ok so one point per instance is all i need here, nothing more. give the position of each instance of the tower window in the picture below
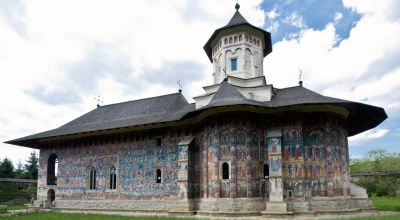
(225, 171)
(234, 64)
(158, 176)
(240, 37)
(113, 177)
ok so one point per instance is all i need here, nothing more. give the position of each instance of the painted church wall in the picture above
(314, 157)
(136, 164)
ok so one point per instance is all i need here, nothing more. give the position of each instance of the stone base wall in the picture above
(238, 205)
(331, 205)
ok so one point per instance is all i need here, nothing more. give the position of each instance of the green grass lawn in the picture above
(388, 217)
(68, 216)
(16, 206)
(386, 203)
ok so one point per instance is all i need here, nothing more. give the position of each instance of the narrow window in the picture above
(266, 171)
(235, 39)
(230, 40)
(233, 64)
(113, 177)
(226, 41)
(246, 38)
(258, 42)
(225, 171)
(158, 176)
(158, 141)
(240, 37)
(52, 166)
(92, 178)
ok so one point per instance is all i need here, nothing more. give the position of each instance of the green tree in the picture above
(31, 166)
(6, 169)
(20, 172)
(378, 160)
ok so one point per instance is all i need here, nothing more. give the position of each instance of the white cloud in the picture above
(368, 135)
(338, 17)
(62, 35)
(295, 20)
(364, 67)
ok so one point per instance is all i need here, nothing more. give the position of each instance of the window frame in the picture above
(92, 178)
(234, 60)
(112, 178)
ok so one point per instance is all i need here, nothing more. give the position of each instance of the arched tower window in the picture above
(225, 171)
(52, 167)
(113, 177)
(235, 39)
(230, 40)
(240, 37)
(226, 41)
(92, 178)
(158, 176)
(266, 171)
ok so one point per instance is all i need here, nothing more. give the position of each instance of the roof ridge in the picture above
(226, 86)
(142, 99)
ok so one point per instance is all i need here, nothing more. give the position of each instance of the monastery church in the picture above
(243, 148)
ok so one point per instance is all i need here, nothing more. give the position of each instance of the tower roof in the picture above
(236, 21)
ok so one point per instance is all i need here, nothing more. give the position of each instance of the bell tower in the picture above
(237, 51)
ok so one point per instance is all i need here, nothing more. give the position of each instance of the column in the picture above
(184, 182)
(275, 204)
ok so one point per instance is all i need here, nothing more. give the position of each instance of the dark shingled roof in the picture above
(174, 107)
(228, 95)
(236, 21)
(361, 118)
(144, 111)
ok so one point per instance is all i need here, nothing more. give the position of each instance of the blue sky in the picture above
(57, 56)
(314, 14)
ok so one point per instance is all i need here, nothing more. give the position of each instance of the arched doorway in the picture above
(51, 196)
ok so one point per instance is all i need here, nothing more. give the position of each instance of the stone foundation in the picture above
(216, 207)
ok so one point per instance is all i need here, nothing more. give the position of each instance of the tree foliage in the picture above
(27, 171)
(31, 167)
(378, 160)
(7, 169)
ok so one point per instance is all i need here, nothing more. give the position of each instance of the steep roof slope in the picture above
(144, 111)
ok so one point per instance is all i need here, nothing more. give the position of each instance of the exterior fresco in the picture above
(135, 162)
(308, 160)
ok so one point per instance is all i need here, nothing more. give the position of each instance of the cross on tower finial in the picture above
(99, 101)
(300, 75)
(237, 6)
(180, 86)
